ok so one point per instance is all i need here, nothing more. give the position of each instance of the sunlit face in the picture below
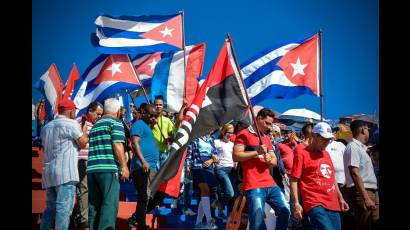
(159, 105)
(264, 123)
(366, 131)
(95, 115)
(228, 133)
(320, 142)
(326, 170)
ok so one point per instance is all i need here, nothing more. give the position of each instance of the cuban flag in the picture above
(105, 77)
(169, 81)
(144, 65)
(286, 71)
(51, 86)
(138, 34)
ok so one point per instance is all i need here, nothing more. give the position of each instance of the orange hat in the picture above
(66, 104)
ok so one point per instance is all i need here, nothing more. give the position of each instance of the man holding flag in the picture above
(220, 99)
(256, 156)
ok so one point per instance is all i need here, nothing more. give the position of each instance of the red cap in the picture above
(66, 104)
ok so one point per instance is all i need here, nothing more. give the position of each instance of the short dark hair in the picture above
(158, 97)
(94, 105)
(263, 113)
(304, 128)
(356, 124)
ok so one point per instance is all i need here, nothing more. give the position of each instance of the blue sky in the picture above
(61, 35)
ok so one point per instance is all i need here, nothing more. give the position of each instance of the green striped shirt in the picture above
(101, 156)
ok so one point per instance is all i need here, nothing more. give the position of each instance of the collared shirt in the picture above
(255, 171)
(101, 157)
(356, 155)
(60, 151)
(200, 150)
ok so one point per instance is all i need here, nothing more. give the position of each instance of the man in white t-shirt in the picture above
(336, 150)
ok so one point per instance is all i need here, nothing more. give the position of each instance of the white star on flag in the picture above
(166, 32)
(298, 68)
(153, 64)
(114, 68)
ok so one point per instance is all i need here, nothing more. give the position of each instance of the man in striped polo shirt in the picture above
(80, 213)
(106, 163)
(61, 139)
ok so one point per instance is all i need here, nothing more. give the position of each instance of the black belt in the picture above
(371, 190)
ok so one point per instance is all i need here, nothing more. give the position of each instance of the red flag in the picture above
(54, 77)
(219, 100)
(194, 68)
(69, 85)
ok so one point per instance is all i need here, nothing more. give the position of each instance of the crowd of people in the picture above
(319, 178)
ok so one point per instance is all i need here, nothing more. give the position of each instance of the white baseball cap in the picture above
(323, 129)
(275, 128)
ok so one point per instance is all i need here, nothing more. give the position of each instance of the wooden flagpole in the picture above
(243, 84)
(183, 45)
(320, 74)
(138, 78)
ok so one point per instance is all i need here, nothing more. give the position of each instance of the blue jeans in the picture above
(225, 179)
(323, 219)
(60, 203)
(256, 199)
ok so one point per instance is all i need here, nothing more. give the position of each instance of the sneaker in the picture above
(211, 225)
(189, 212)
(174, 203)
(132, 221)
(200, 226)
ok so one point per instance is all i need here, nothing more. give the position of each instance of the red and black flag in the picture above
(220, 99)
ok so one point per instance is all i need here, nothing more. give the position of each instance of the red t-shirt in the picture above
(255, 171)
(316, 182)
(287, 156)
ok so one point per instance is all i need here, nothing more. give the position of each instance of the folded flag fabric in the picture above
(170, 81)
(51, 87)
(138, 34)
(144, 65)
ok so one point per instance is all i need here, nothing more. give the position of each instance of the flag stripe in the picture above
(128, 25)
(176, 81)
(140, 23)
(262, 60)
(121, 41)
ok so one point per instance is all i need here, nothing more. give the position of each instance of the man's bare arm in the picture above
(118, 148)
(239, 153)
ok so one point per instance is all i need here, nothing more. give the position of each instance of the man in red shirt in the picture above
(314, 172)
(258, 184)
